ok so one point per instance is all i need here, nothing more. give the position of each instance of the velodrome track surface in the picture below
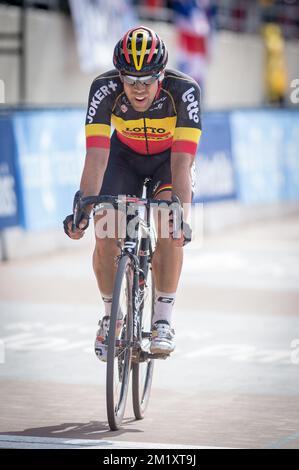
(233, 380)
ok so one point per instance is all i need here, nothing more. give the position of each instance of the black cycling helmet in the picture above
(140, 52)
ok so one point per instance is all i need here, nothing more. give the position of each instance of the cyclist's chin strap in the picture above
(158, 91)
(159, 86)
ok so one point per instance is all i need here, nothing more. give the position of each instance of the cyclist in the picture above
(156, 116)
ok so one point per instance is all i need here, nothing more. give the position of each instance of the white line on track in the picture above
(8, 441)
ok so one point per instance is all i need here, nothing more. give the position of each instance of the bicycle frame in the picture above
(130, 248)
(140, 266)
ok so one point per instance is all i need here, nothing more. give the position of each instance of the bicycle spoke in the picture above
(143, 371)
(119, 356)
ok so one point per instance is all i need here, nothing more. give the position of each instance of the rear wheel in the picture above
(119, 345)
(142, 372)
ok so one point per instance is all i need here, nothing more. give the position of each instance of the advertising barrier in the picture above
(265, 146)
(9, 188)
(248, 155)
(215, 179)
(290, 155)
(50, 148)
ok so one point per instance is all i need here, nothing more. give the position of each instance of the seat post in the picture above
(146, 185)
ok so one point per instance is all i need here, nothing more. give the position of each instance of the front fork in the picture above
(140, 263)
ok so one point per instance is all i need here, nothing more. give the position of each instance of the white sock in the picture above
(164, 302)
(107, 299)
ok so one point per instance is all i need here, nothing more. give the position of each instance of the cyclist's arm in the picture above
(97, 131)
(93, 172)
(181, 176)
(186, 137)
(91, 181)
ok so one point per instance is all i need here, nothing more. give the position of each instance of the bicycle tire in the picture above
(142, 373)
(118, 360)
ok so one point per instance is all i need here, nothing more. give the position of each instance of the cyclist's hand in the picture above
(178, 242)
(68, 225)
(185, 234)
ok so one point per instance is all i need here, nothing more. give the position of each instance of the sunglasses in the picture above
(132, 80)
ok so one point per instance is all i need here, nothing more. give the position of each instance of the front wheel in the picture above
(119, 345)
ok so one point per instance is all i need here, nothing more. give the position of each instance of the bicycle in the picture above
(133, 294)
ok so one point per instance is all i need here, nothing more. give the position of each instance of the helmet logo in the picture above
(141, 53)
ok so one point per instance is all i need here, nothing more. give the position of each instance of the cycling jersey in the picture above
(172, 122)
(127, 171)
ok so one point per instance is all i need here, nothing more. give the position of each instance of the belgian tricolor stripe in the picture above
(184, 146)
(164, 187)
(97, 135)
(144, 148)
(185, 140)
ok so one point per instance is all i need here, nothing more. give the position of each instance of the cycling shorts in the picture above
(127, 171)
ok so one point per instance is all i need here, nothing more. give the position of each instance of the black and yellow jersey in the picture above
(173, 120)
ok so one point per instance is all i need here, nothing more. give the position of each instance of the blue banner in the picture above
(290, 155)
(9, 188)
(265, 150)
(50, 148)
(215, 179)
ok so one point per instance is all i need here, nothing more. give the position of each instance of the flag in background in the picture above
(193, 33)
(98, 26)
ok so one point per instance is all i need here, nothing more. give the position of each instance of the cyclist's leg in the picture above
(167, 260)
(119, 178)
(167, 265)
